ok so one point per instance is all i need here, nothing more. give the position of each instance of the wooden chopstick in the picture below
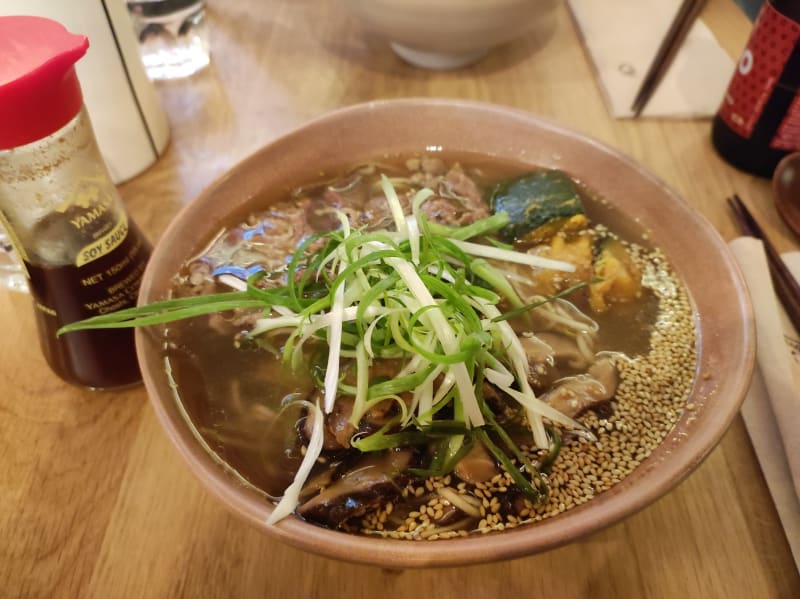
(786, 287)
(681, 24)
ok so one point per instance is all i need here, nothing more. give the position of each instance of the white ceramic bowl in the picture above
(448, 34)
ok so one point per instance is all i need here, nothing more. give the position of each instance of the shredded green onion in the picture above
(425, 294)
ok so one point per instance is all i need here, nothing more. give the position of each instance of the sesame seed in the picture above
(651, 398)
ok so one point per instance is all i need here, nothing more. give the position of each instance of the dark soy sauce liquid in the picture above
(101, 358)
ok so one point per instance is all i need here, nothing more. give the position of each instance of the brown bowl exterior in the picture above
(698, 254)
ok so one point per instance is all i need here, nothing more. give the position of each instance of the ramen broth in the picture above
(236, 390)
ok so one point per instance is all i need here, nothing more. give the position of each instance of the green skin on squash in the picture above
(537, 203)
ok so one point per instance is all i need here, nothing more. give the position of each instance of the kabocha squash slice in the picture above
(539, 205)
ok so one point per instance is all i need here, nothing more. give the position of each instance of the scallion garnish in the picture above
(424, 293)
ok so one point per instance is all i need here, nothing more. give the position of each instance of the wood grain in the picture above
(95, 502)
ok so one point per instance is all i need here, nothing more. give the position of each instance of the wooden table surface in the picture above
(95, 502)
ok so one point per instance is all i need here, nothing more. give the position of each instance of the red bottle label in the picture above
(771, 43)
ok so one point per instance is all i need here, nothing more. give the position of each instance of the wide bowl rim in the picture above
(540, 536)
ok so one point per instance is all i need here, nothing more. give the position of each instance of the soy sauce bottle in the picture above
(81, 252)
(758, 122)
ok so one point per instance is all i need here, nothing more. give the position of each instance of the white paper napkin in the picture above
(771, 410)
(623, 36)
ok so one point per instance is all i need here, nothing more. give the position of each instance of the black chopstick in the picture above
(786, 287)
(678, 30)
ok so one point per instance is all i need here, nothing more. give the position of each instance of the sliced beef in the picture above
(466, 190)
(320, 212)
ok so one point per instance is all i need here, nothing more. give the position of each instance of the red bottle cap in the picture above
(39, 90)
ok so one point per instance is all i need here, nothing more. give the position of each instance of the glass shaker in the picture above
(80, 251)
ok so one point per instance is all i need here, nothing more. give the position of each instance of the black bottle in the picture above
(758, 122)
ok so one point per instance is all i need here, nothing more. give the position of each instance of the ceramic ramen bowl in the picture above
(448, 34)
(724, 341)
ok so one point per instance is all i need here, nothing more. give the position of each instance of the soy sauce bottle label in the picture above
(93, 216)
(759, 71)
(102, 246)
